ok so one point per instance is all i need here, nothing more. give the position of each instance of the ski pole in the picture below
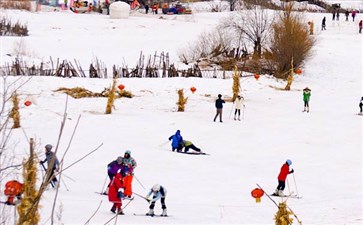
(141, 196)
(139, 182)
(230, 113)
(51, 182)
(297, 192)
(104, 183)
(243, 113)
(161, 145)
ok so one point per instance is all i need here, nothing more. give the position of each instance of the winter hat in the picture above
(48, 147)
(128, 152)
(156, 188)
(288, 162)
(119, 160)
(219, 96)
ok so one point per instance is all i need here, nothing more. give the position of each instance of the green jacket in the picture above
(306, 95)
(187, 143)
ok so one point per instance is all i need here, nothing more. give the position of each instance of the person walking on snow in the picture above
(188, 145)
(129, 164)
(219, 106)
(346, 15)
(115, 194)
(353, 14)
(53, 163)
(360, 26)
(112, 169)
(323, 24)
(158, 192)
(239, 103)
(360, 106)
(306, 98)
(285, 170)
(176, 141)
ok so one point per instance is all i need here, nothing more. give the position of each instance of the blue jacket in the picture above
(157, 195)
(219, 103)
(176, 139)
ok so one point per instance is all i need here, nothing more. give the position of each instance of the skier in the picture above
(360, 26)
(323, 24)
(129, 165)
(239, 103)
(306, 98)
(176, 141)
(219, 106)
(13, 189)
(112, 169)
(188, 145)
(285, 170)
(53, 162)
(159, 192)
(353, 14)
(346, 15)
(360, 106)
(115, 194)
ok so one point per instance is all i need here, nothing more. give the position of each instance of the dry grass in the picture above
(181, 101)
(19, 4)
(79, 92)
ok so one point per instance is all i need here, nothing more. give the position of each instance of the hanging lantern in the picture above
(193, 89)
(257, 193)
(298, 71)
(121, 87)
(27, 103)
(257, 76)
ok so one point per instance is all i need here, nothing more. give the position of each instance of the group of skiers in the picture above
(178, 143)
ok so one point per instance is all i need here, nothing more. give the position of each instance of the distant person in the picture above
(158, 192)
(306, 98)
(347, 15)
(360, 106)
(176, 141)
(238, 104)
(323, 24)
(334, 12)
(52, 162)
(219, 106)
(147, 9)
(360, 26)
(338, 14)
(354, 14)
(284, 171)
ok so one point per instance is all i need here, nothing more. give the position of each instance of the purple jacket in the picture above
(113, 167)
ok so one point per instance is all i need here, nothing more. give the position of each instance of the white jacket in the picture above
(238, 103)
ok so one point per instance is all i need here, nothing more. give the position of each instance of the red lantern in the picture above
(121, 87)
(257, 193)
(257, 76)
(27, 103)
(193, 89)
(298, 71)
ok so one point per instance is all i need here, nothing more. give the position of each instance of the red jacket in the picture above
(116, 183)
(285, 170)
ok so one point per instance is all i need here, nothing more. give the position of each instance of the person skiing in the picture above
(129, 164)
(360, 106)
(13, 189)
(188, 145)
(176, 141)
(53, 163)
(346, 15)
(323, 24)
(115, 194)
(285, 170)
(219, 106)
(306, 98)
(159, 192)
(353, 14)
(239, 103)
(112, 169)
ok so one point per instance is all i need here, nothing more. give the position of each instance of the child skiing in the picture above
(159, 192)
(306, 98)
(239, 103)
(13, 189)
(285, 170)
(129, 164)
(115, 195)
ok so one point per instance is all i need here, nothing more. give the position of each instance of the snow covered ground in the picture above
(325, 145)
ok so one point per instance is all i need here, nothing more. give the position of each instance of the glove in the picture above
(120, 194)
(292, 171)
(7, 203)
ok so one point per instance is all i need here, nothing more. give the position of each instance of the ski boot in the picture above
(120, 212)
(164, 213)
(113, 209)
(150, 213)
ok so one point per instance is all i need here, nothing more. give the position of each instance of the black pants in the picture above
(237, 111)
(162, 200)
(360, 107)
(281, 185)
(192, 147)
(179, 148)
(306, 103)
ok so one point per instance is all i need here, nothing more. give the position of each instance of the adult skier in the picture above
(285, 170)
(176, 141)
(306, 98)
(112, 169)
(53, 163)
(158, 192)
(129, 164)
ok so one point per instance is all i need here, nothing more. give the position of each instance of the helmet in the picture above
(156, 188)
(128, 152)
(48, 147)
(119, 160)
(288, 162)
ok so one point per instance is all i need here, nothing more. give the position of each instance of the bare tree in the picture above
(253, 25)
